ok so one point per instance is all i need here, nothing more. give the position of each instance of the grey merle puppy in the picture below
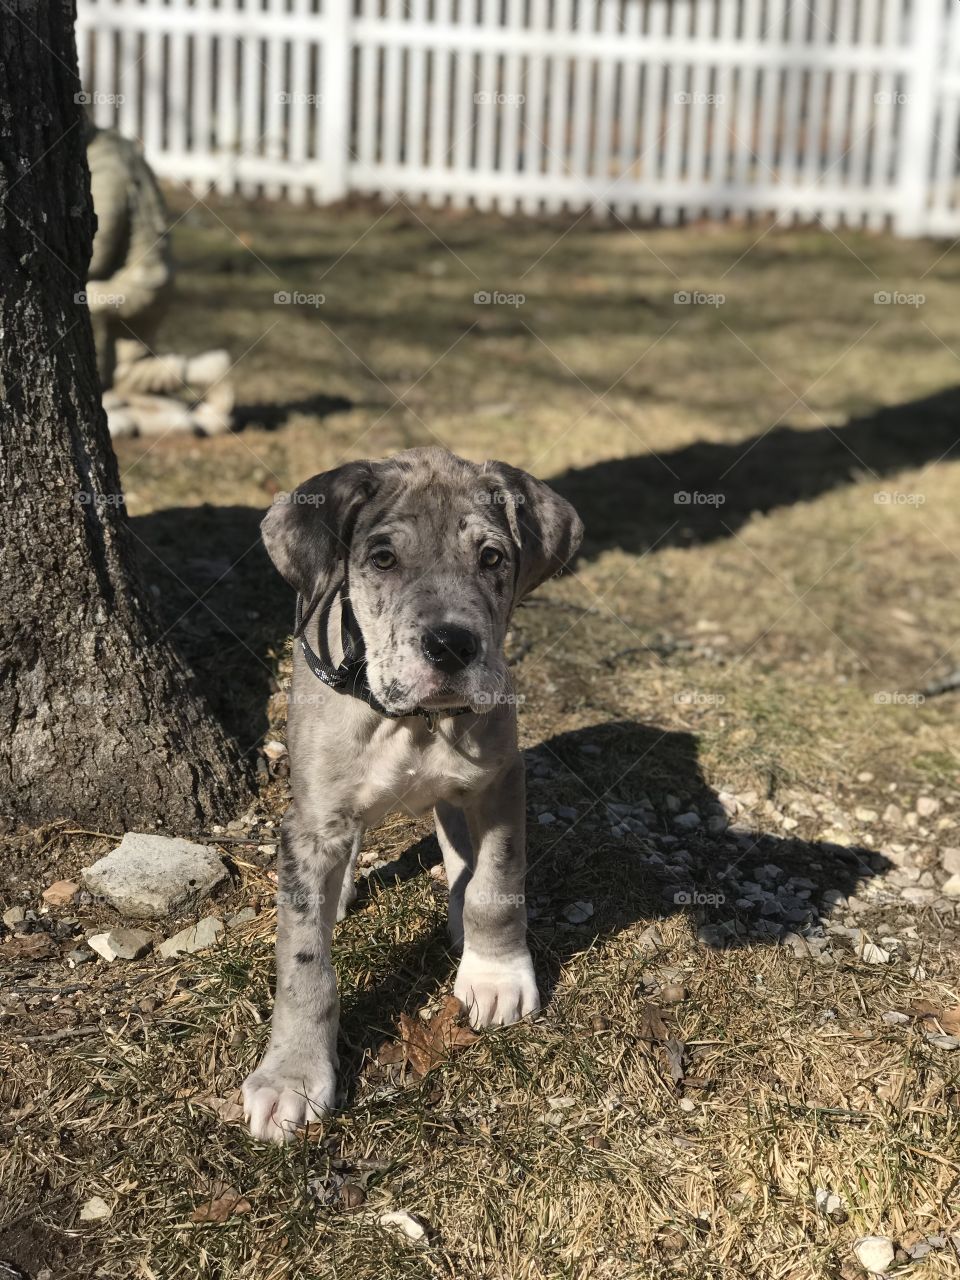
(407, 573)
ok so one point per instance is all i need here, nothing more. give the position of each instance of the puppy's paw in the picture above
(348, 895)
(280, 1097)
(496, 990)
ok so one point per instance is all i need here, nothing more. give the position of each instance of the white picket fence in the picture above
(842, 110)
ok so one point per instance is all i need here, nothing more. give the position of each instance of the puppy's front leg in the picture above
(296, 1081)
(495, 979)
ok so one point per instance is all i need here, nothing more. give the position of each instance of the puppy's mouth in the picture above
(404, 700)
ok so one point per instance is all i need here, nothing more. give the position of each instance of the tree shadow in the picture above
(270, 416)
(742, 886)
(224, 606)
(707, 490)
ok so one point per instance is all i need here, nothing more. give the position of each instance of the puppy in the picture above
(407, 573)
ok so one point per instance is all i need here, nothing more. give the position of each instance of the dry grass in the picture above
(702, 650)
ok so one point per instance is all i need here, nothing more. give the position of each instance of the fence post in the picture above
(919, 116)
(336, 70)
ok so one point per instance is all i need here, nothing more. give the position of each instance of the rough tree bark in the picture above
(99, 720)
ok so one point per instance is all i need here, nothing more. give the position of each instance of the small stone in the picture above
(874, 1253)
(130, 944)
(717, 824)
(949, 860)
(865, 776)
(651, 937)
(246, 914)
(894, 1018)
(60, 893)
(927, 806)
(80, 955)
(673, 993)
(352, 1196)
(873, 954)
(951, 887)
(828, 1202)
(14, 916)
(567, 812)
(788, 823)
(412, 1227)
(274, 750)
(687, 1104)
(545, 819)
(865, 815)
(578, 912)
(917, 896)
(892, 815)
(197, 937)
(155, 877)
(149, 1004)
(96, 1209)
(687, 821)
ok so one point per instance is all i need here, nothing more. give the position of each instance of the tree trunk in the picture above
(100, 720)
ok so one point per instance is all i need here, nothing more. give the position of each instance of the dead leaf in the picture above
(228, 1109)
(31, 946)
(652, 1025)
(60, 893)
(223, 1203)
(655, 1030)
(422, 1045)
(925, 1010)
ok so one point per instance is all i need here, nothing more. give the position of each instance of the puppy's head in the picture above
(437, 552)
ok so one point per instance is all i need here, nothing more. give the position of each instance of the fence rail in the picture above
(847, 111)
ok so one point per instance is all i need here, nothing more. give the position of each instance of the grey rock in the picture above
(687, 821)
(950, 861)
(80, 955)
(195, 938)
(14, 916)
(545, 819)
(121, 944)
(578, 912)
(951, 887)
(919, 897)
(154, 877)
(243, 916)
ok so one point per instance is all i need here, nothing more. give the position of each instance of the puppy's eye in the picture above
(490, 557)
(383, 559)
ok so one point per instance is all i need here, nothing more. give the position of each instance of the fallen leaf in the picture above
(224, 1201)
(31, 946)
(228, 1109)
(422, 1045)
(652, 1025)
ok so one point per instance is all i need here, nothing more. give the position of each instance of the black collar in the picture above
(350, 677)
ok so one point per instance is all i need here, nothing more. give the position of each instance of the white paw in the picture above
(348, 895)
(280, 1099)
(496, 991)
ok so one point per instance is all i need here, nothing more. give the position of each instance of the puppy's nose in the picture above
(449, 648)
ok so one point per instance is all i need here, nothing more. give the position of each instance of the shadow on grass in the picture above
(625, 877)
(708, 490)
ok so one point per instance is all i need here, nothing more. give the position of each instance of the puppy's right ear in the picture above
(307, 532)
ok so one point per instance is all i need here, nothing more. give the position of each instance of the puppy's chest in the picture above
(407, 776)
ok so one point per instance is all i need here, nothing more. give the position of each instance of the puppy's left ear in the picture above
(544, 527)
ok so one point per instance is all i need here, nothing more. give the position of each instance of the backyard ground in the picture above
(743, 808)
